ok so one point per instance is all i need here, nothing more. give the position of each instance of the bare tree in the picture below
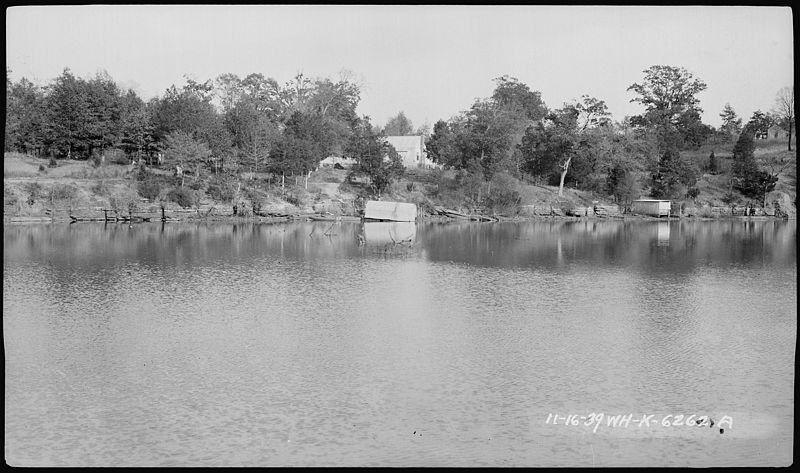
(784, 110)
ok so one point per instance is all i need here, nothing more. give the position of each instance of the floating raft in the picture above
(391, 211)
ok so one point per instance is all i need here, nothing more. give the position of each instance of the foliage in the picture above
(183, 196)
(672, 110)
(149, 188)
(759, 123)
(504, 197)
(221, 190)
(62, 192)
(621, 183)
(713, 166)
(124, 199)
(565, 139)
(731, 123)
(184, 151)
(673, 176)
(374, 157)
(398, 125)
(35, 192)
(783, 111)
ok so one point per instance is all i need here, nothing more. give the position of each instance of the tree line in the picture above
(578, 144)
(251, 123)
(254, 123)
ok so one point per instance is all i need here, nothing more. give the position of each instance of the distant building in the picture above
(411, 149)
(776, 132)
(652, 207)
(331, 161)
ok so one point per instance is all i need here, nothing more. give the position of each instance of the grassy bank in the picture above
(33, 189)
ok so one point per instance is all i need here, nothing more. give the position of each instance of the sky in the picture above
(429, 61)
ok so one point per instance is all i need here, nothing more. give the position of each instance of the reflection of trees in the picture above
(638, 245)
(548, 244)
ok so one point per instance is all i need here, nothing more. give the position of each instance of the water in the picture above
(295, 345)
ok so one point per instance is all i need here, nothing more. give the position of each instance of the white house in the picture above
(411, 149)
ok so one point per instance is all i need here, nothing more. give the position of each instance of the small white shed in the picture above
(652, 207)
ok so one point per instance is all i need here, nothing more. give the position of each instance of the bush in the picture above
(256, 197)
(35, 192)
(149, 188)
(221, 190)
(124, 200)
(117, 156)
(504, 195)
(297, 196)
(183, 196)
(62, 192)
(9, 198)
(730, 198)
(41, 168)
(52, 163)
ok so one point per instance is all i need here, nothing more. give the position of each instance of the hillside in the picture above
(32, 189)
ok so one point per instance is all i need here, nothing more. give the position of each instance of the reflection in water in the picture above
(663, 233)
(297, 344)
(389, 232)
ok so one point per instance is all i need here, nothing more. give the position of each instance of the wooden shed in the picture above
(652, 207)
(392, 211)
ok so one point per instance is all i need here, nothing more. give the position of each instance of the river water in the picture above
(320, 344)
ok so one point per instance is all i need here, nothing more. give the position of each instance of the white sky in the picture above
(429, 61)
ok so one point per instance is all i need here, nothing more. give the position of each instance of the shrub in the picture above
(41, 168)
(35, 192)
(256, 197)
(296, 196)
(52, 163)
(9, 198)
(221, 190)
(149, 188)
(183, 196)
(504, 195)
(124, 199)
(730, 198)
(62, 192)
(117, 156)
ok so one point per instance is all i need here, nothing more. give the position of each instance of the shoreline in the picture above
(229, 219)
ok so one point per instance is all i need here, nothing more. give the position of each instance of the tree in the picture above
(68, 116)
(398, 125)
(189, 110)
(731, 123)
(25, 116)
(443, 146)
(621, 183)
(301, 147)
(673, 176)
(184, 151)
(136, 129)
(667, 93)
(713, 166)
(759, 123)
(374, 157)
(563, 136)
(784, 111)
